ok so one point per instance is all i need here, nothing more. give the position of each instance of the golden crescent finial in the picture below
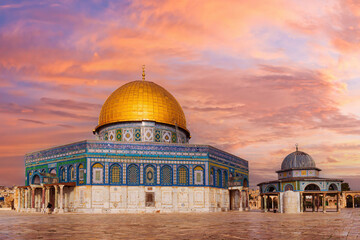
(297, 146)
(143, 73)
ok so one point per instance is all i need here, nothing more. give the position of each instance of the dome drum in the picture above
(144, 131)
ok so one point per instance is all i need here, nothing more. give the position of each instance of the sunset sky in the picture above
(253, 77)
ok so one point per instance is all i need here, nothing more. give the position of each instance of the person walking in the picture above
(49, 207)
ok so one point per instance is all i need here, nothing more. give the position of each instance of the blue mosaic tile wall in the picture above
(158, 155)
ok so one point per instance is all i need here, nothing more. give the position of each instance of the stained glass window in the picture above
(182, 176)
(212, 177)
(166, 175)
(81, 173)
(62, 174)
(225, 179)
(218, 178)
(115, 174)
(199, 173)
(72, 173)
(150, 177)
(133, 175)
(98, 173)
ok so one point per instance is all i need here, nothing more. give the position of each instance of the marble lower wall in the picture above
(140, 199)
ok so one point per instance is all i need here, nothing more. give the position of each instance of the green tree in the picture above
(345, 187)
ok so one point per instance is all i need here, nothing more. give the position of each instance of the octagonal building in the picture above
(139, 161)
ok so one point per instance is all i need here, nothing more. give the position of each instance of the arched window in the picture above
(98, 173)
(53, 171)
(36, 179)
(166, 175)
(312, 187)
(81, 173)
(198, 175)
(225, 179)
(133, 175)
(71, 173)
(245, 183)
(218, 178)
(212, 171)
(115, 174)
(62, 174)
(183, 176)
(150, 175)
(333, 187)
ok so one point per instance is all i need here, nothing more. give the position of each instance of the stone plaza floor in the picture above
(222, 225)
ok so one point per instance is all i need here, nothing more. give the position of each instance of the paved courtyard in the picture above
(222, 225)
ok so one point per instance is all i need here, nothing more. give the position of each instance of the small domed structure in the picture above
(298, 181)
(298, 160)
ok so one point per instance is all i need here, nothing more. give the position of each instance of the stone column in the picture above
(247, 199)
(27, 198)
(338, 202)
(26, 201)
(241, 199)
(353, 198)
(265, 203)
(61, 209)
(33, 198)
(19, 199)
(56, 203)
(313, 202)
(301, 202)
(324, 203)
(43, 198)
(47, 195)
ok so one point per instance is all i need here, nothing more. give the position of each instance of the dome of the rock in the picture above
(142, 101)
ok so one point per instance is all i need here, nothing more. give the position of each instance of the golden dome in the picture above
(142, 100)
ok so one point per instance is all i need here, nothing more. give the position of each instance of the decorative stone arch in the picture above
(333, 187)
(356, 202)
(150, 175)
(133, 175)
(166, 175)
(312, 187)
(52, 170)
(349, 200)
(115, 174)
(271, 188)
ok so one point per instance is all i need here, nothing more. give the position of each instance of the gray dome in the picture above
(298, 160)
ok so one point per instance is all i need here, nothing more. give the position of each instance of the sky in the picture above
(253, 77)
